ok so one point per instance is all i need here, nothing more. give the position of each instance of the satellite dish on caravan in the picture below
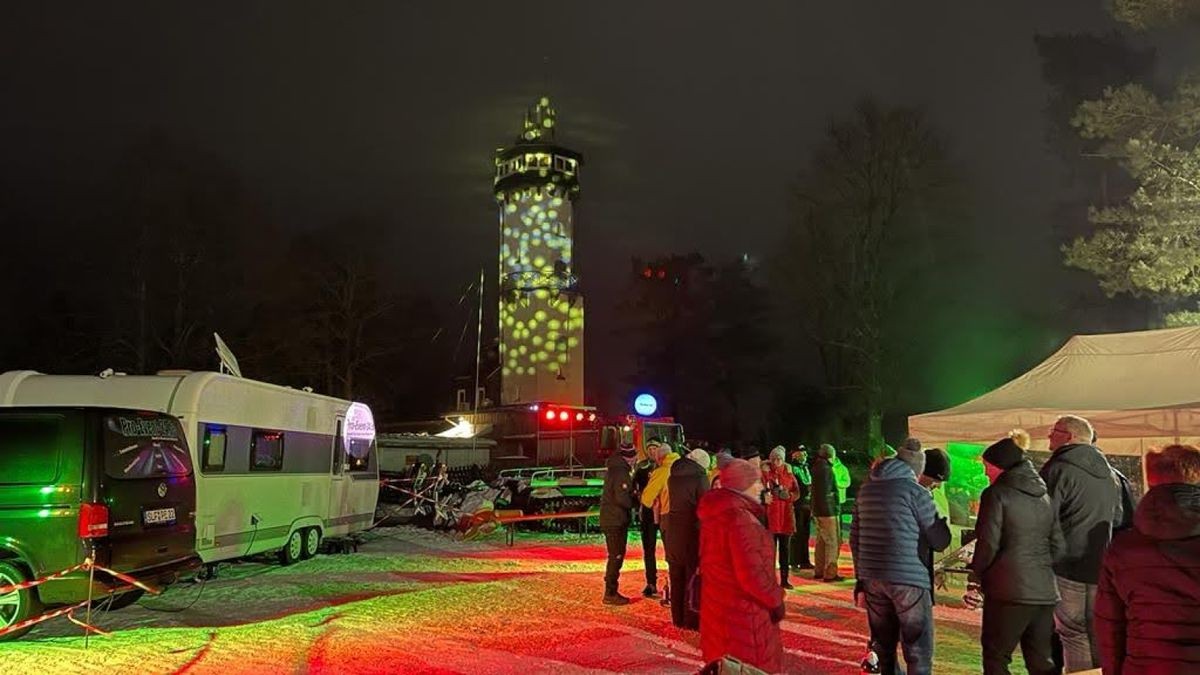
(229, 362)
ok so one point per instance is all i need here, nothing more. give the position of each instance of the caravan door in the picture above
(336, 523)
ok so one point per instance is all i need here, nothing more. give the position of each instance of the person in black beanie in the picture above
(935, 472)
(1017, 540)
(616, 506)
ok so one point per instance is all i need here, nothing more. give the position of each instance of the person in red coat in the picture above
(781, 492)
(741, 604)
(1147, 615)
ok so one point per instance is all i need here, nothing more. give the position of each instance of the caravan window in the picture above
(29, 448)
(214, 448)
(144, 445)
(359, 453)
(266, 451)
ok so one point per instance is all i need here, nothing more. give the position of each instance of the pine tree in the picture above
(1148, 245)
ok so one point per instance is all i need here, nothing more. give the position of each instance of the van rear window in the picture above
(29, 448)
(144, 446)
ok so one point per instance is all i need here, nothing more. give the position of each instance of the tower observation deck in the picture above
(541, 310)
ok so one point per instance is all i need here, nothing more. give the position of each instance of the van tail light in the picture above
(93, 521)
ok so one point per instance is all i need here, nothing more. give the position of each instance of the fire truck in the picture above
(577, 489)
(638, 431)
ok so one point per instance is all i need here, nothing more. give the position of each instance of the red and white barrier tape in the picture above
(127, 579)
(33, 621)
(87, 564)
(5, 590)
(86, 626)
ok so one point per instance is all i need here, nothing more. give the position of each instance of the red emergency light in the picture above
(567, 416)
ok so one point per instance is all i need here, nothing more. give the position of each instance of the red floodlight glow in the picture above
(550, 414)
(591, 417)
(578, 417)
(564, 415)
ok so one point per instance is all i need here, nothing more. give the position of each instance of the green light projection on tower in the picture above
(541, 310)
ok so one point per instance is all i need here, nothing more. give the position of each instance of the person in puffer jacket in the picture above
(741, 602)
(893, 514)
(1147, 616)
(1017, 540)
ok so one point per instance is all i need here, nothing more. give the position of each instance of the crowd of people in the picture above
(1066, 565)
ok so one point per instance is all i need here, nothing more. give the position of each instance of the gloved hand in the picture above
(860, 595)
(778, 613)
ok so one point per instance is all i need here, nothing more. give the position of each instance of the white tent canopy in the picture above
(1138, 389)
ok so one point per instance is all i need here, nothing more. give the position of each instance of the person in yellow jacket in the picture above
(655, 501)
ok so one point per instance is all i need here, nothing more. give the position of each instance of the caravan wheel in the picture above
(17, 605)
(312, 542)
(293, 550)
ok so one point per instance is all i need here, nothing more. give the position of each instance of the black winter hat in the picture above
(1004, 454)
(937, 464)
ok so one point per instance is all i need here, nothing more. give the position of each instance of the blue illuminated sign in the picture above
(645, 404)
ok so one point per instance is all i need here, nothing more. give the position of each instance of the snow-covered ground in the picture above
(415, 601)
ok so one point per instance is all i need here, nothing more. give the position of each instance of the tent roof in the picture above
(1094, 375)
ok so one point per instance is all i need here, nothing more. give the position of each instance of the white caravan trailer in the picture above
(277, 469)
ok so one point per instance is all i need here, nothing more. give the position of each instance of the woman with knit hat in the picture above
(1017, 539)
(741, 603)
(781, 491)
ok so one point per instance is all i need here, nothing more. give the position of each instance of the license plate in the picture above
(159, 516)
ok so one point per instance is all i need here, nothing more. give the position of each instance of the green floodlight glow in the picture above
(44, 513)
(967, 480)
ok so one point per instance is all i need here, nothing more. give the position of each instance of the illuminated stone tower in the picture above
(541, 309)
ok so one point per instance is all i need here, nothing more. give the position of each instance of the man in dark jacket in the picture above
(892, 516)
(803, 510)
(825, 508)
(687, 483)
(616, 503)
(1148, 602)
(1017, 538)
(1086, 495)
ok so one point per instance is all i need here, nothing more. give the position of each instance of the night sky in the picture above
(693, 117)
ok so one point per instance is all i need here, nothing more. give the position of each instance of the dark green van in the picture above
(77, 481)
